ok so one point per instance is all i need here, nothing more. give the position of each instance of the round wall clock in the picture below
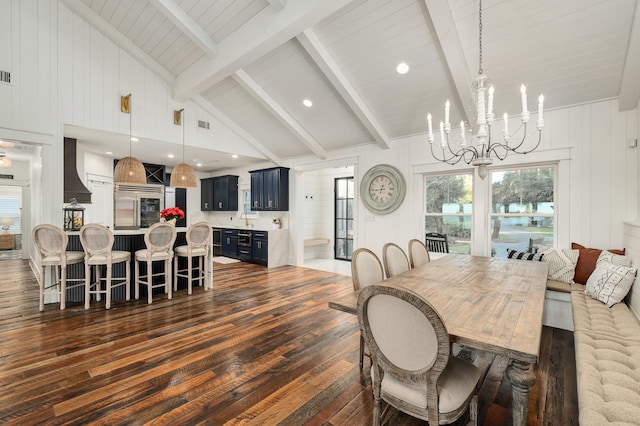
(383, 189)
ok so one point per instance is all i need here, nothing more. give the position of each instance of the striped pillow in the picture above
(562, 263)
(520, 255)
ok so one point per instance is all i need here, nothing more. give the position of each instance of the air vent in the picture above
(5, 76)
(203, 124)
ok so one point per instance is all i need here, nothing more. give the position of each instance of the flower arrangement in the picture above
(172, 213)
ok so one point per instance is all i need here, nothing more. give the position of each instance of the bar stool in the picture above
(159, 241)
(51, 242)
(97, 241)
(198, 242)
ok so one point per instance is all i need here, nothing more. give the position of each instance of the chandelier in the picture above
(480, 148)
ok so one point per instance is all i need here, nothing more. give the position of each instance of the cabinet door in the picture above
(229, 243)
(220, 194)
(271, 190)
(206, 194)
(260, 248)
(257, 190)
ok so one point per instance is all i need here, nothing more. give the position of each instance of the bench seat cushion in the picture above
(591, 315)
(608, 378)
(558, 286)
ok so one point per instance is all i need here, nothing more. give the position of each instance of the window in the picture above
(522, 215)
(449, 208)
(11, 205)
(344, 194)
(246, 203)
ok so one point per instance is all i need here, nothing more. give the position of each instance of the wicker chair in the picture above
(413, 369)
(366, 270)
(437, 243)
(198, 243)
(418, 253)
(395, 260)
(159, 240)
(51, 243)
(97, 241)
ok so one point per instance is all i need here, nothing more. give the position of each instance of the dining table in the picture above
(486, 303)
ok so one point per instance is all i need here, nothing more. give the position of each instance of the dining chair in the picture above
(51, 243)
(97, 241)
(534, 243)
(198, 243)
(437, 243)
(366, 270)
(418, 253)
(413, 369)
(395, 260)
(158, 241)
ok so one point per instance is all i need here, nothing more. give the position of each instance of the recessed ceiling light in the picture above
(109, 153)
(134, 139)
(170, 155)
(234, 156)
(307, 103)
(199, 164)
(402, 68)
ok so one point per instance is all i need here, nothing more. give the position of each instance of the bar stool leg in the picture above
(167, 278)
(189, 275)
(128, 280)
(63, 287)
(149, 282)
(108, 286)
(137, 283)
(87, 285)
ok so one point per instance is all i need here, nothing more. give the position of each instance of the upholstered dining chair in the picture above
(366, 270)
(418, 253)
(413, 369)
(97, 241)
(51, 243)
(395, 260)
(198, 243)
(158, 241)
(437, 243)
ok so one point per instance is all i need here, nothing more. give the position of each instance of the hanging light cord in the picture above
(129, 125)
(480, 39)
(182, 119)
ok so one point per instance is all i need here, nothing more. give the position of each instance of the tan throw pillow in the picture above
(562, 263)
(610, 283)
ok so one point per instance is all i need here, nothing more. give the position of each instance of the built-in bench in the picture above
(310, 242)
(317, 248)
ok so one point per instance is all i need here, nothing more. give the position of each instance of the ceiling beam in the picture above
(442, 21)
(188, 26)
(278, 5)
(261, 34)
(235, 128)
(334, 73)
(119, 39)
(251, 86)
(630, 82)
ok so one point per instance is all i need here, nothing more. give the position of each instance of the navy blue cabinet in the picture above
(260, 246)
(270, 189)
(206, 194)
(225, 193)
(230, 243)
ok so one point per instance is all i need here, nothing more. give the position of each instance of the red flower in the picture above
(172, 213)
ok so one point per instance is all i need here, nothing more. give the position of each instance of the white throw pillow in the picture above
(562, 263)
(616, 259)
(610, 283)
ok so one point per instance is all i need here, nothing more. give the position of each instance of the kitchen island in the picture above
(131, 241)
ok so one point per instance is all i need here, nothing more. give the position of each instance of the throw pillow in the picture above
(515, 254)
(587, 261)
(562, 263)
(610, 283)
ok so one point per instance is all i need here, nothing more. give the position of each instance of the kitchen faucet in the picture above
(246, 219)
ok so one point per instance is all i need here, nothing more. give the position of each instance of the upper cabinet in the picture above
(225, 193)
(219, 193)
(270, 189)
(206, 194)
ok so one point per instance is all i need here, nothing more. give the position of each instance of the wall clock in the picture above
(382, 189)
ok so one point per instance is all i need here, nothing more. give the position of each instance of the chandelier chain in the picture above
(480, 39)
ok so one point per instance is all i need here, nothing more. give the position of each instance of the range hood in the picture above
(73, 186)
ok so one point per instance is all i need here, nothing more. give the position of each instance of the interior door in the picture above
(101, 208)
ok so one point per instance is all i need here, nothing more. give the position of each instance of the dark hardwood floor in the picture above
(261, 348)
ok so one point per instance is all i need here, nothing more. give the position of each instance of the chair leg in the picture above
(98, 282)
(136, 269)
(63, 287)
(149, 282)
(190, 274)
(361, 351)
(87, 285)
(167, 278)
(41, 282)
(127, 275)
(473, 411)
(108, 286)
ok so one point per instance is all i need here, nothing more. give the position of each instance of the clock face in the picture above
(382, 189)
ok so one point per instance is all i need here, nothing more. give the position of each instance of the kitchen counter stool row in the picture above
(98, 255)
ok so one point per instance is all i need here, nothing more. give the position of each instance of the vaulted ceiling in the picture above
(253, 62)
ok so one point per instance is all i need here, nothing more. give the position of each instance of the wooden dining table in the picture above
(489, 304)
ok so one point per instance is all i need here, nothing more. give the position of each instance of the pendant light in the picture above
(129, 169)
(182, 175)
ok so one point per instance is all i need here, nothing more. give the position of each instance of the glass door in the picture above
(344, 195)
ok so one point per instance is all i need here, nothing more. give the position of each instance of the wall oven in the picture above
(137, 206)
(244, 238)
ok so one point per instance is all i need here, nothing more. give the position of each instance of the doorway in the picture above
(343, 217)
(10, 222)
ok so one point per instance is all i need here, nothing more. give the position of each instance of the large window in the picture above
(11, 206)
(522, 213)
(448, 209)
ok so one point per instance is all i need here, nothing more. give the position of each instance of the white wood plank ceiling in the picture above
(254, 61)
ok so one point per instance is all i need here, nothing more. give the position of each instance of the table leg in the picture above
(522, 378)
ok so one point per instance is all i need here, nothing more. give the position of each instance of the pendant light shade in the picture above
(129, 169)
(182, 175)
